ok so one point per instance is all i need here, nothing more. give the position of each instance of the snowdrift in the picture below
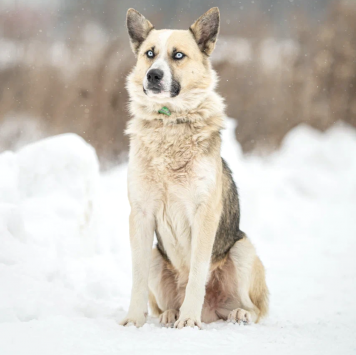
(65, 258)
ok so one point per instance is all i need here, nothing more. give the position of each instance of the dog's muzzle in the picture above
(155, 84)
(154, 78)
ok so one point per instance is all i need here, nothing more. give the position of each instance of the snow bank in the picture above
(65, 257)
(47, 194)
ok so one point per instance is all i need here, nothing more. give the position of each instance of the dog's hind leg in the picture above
(168, 317)
(166, 296)
(252, 292)
(156, 311)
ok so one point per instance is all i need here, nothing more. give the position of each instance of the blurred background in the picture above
(65, 263)
(63, 65)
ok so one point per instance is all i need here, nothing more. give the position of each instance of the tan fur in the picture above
(258, 289)
(199, 30)
(175, 183)
(156, 311)
(252, 291)
(196, 76)
(226, 289)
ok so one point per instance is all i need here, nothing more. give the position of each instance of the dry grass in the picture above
(315, 84)
(314, 81)
(90, 102)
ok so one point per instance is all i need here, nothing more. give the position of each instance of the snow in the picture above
(65, 257)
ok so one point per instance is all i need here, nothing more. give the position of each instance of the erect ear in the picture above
(138, 28)
(206, 29)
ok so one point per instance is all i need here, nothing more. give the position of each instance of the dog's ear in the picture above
(206, 29)
(138, 28)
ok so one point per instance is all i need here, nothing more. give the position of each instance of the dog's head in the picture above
(173, 66)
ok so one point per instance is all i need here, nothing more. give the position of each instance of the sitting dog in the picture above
(203, 268)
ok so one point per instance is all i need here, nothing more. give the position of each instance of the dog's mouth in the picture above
(157, 90)
(154, 89)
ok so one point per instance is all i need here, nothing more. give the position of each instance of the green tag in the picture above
(165, 111)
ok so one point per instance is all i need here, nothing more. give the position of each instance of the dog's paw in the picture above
(169, 317)
(239, 315)
(183, 322)
(136, 320)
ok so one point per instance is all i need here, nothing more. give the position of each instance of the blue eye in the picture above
(150, 54)
(178, 55)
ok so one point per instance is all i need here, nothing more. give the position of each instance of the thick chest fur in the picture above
(173, 170)
(172, 153)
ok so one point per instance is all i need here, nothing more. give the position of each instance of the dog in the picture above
(204, 268)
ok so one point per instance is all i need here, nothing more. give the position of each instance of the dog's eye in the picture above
(178, 55)
(150, 54)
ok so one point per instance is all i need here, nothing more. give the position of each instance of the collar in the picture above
(165, 111)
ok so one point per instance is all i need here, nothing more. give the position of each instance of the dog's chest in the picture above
(173, 228)
(177, 176)
(171, 154)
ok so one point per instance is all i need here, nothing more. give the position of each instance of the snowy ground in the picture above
(65, 258)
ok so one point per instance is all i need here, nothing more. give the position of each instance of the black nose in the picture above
(154, 76)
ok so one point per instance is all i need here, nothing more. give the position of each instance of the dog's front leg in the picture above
(203, 235)
(141, 239)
